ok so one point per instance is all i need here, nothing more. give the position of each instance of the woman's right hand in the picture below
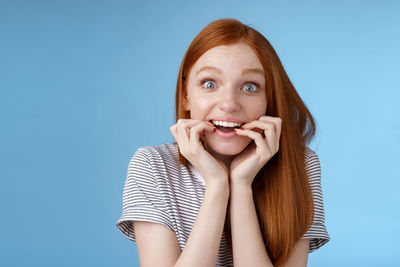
(187, 133)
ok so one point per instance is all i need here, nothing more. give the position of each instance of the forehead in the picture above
(241, 55)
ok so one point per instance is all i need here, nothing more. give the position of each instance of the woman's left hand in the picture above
(248, 163)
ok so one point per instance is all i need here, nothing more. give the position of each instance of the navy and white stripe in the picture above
(317, 233)
(160, 189)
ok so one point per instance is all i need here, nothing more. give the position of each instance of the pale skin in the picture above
(227, 165)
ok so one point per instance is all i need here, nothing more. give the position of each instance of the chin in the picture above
(228, 148)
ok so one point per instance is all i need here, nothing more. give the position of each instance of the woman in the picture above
(239, 185)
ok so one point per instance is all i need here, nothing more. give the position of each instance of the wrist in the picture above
(218, 186)
(240, 186)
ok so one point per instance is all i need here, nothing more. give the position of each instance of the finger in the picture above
(269, 118)
(184, 130)
(173, 130)
(183, 126)
(181, 133)
(258, 139)
(270, 134)
(278, 125)
(260, 124)
(195, 132)
(191, 123)
(264, 127)
(199, 129)
(187, 123)
(276, 120)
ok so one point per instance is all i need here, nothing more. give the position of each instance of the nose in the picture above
(228, 100)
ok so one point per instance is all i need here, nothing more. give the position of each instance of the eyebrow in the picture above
(245, 71)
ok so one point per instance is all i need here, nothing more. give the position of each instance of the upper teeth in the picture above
(226, 124)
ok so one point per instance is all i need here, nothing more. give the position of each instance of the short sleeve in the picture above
(317, 233)
(142, 199)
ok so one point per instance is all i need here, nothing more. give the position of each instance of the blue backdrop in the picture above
(85, 83)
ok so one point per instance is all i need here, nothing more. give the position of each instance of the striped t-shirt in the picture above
(160, 189)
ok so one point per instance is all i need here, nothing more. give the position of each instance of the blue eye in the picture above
(208, 83)
(250, 87)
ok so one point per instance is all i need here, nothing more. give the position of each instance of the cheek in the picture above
(199, 109)
(258, 109)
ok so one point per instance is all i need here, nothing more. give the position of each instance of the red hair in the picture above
(281, 190)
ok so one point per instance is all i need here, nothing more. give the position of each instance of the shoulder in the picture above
(162, 153)
(310, 154)
(161, 161)
(313, 169)
(317, 232)
(152, 165)
(312, 162)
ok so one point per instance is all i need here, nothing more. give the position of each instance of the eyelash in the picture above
(248, 82)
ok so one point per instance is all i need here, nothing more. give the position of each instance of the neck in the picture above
(225, 159)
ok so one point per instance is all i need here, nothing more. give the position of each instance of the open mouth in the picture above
(226, 126)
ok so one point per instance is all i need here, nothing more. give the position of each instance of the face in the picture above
(226, 84)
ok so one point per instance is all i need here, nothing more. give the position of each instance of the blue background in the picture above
(85, 83)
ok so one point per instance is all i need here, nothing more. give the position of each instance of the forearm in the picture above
(247, 243)
(202, 246)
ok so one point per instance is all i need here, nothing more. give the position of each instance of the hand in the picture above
(187, 134)
(248, 163)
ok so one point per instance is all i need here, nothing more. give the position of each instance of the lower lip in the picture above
(225, 134)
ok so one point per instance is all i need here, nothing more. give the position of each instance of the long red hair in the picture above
(281, 190)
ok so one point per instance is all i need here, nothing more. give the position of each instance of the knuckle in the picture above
(181, 122)
(197, 128)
